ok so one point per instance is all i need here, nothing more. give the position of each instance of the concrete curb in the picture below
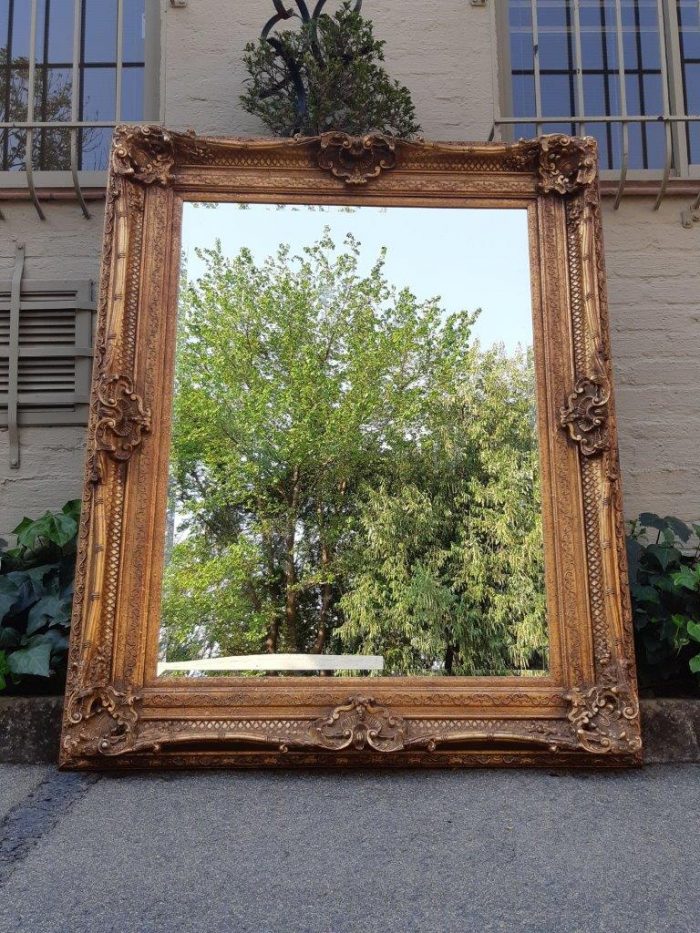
(30, 729)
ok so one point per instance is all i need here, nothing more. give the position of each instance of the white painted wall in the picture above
(446, 54)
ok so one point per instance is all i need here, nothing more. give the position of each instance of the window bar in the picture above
(119, 62)
(29, 138)
(580, 99)
(13, 357)
(623, 103)
(665, 91)
(74, 107)
(536, 65)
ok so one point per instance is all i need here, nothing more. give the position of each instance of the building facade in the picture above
(626, 71)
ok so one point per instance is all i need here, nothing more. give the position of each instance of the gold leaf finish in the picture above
(118, 713)
(356, 159)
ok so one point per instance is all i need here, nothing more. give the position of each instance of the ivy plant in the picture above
(665, 590)
(36, 592)
(325, 75)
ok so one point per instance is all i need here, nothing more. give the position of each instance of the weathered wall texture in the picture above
(446, 53)
(65, 245)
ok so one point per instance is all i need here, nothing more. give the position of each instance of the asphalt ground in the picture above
(228, 852)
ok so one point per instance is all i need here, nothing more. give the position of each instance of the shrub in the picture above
(665, 589)
(327, 75)
(36, 592)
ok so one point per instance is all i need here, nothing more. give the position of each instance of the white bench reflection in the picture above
(279, 662)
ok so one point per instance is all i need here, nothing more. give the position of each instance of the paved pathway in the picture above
(308, 853)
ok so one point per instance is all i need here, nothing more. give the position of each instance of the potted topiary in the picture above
(326, 75)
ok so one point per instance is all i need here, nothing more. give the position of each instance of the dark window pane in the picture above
(519, 13)
(95, 143)
(556, 95)
(551, 13)
(132, 94)
(52, 150)
(521, 51)
(554, 50)
(4, 23)
(99, 93)
(100, 30)
(61, 31)
(656, 145)
(134, 30)
(52, 99)
(523, 96)
(20, 31)
(689, 20)
(653, 97)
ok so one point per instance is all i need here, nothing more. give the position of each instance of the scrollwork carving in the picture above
(122, 418)
(143, 153)
(605, 718)
(566, 164)
(356, 159)
(360, 723)
(585, 416)
(101, 721)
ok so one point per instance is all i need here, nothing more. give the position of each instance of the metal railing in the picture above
(672, 116)
(581, 122)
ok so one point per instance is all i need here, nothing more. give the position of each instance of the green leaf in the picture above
(51, 610)
(9, 637)
(57, 641)
(687, 578)
(679, 528)
(35, 661)
(694, 664)
(694, 630)
(57, 528)
(652, 520)
(9, 592)
(664, 555)
(4, 669)
(73, 508)
(644, 594)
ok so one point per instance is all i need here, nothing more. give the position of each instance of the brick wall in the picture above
(447, 55)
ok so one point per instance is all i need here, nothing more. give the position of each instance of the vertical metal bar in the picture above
(75, 103)
(29, 144)
(120, 63)
(623, 102)
(665, 93)
(580, 98)
(536, 65)
(13, 359)
(673, 45)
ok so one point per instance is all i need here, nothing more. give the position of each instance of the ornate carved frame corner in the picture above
(118, 713)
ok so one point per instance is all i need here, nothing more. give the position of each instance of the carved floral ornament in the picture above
(147, 154)
(566, 164)
(122, 418)
(105, 722)
(585, 416)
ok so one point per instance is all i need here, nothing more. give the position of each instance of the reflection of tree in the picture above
(52, 103)
(351, 472)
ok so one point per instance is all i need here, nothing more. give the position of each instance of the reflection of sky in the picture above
(470, 258)
(99, 53)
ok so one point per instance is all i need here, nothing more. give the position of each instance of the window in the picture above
(89, 69)
(572, 61)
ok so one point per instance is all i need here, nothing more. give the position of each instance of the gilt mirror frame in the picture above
(118, 714)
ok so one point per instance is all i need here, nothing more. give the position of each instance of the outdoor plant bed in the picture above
(30, 728)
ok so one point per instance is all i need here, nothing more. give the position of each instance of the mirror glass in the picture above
(354, 479)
